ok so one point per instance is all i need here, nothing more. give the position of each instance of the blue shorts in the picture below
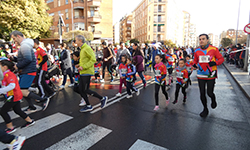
(25, 81)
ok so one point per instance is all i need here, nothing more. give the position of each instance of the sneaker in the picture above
(43, 99)
(30, 109)
(28, 124)
(82, 103)
(17, 143)
(71, 85)
(45, 104)
(104, 101)
(118, 95)
(156, 108)
(52, 95)
(32, 89)
(167, 101)
(144, 86)
(86, 109)
(138, 92)
(61, 87)
(213, 104)
(185, 99)
(96, 80)
(102, 80)
(130, 96)
(175, 101)
(112, 80)
(204, 113)
(9, 131)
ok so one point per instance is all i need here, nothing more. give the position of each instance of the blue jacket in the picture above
(26, 60)
(154, 53)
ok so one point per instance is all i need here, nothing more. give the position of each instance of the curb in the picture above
(242, 89)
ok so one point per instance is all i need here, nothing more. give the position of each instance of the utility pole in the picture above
(157, 21)
(72, 16)
(237, 23)
(246, 63)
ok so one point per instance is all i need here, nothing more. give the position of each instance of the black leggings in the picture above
(177, 89)
(84, 89)
(16, 108)
(157, 89)
(130, 86)
(210, 90)
(106, 65)
(42, 85)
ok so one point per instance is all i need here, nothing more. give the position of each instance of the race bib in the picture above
(204, 59)
(189, 69)
(96, 68)
(124, 71)
(171, 59)
(157, 73)
(179, 75)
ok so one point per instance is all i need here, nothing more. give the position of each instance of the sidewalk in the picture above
(242, 78)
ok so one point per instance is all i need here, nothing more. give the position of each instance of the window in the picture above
(149, 18)
(92, 13)
(149, 8)
(66, 1)
(149, 37)
(159, 8)
(51, 14)
(67, 27)
(148, 28)
(77, 14)
(67, 14)
(59, 12)
(59, 3)
(49, 1)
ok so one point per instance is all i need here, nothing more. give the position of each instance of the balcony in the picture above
(78, 1)
(95, 19)
(94, 3)
(159, 2)
(159, 12)
(78, 4)
(79, 19)
(159, 31)
(97, 34)
(160, 21)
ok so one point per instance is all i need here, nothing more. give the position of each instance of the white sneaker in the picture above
(130, 96)
(118, 95)
(138, 92)
(33, 89)
(156, 108)
(61, 87)
(17, 143)
(82, 103)
(102, 80)
(71, 85)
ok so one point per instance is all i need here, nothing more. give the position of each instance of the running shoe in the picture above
(184, 99)
(82, 103)
(104, 101)
(32, 89)
(45, 104)
(28, 124)
(43, 99)
(118, 95)
(144, 86)
(156, 108)
(129, 96)
(175, 101)
(61, 87)
(167, 101)
(71, 85)
(17, 143)
(102, 81)
(9, 131)
(138, 92)
(52, 95)
(30, 109)
(86, 109)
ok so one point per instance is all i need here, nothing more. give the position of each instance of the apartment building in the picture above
(125, 28)
(186, 28)
(88, 15)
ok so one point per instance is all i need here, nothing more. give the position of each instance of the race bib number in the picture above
(96, 68)
(179, 75)
(189, 69)
(171, 59)
(124, 71)
(157, 73)
(76, 70)
(204, 59)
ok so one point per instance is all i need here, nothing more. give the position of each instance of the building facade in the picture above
(125, 28)
(88, 15)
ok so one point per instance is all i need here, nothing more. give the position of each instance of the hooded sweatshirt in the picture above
(26, 60)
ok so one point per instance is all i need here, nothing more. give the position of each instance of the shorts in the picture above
(25, 81)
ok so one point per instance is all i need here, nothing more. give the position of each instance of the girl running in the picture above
(97, 67)
(122, 71)
(182, 78)
(130, 78)
(171, 60)
(189, 64)
(13, 94)
(160, 79)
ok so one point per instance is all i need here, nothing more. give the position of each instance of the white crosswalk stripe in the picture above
(140, 144)
(82, 139)
(41, 126)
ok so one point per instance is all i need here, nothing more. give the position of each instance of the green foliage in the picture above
(226, 42)
(134, 41)
(88, 35)
(169, 43)
(27, 16)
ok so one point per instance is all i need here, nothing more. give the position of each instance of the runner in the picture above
(122, 71)
(189, 64)
(206, 60)
(171, 60)
(107, 61)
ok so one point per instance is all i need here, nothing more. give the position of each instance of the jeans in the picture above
(142, 77)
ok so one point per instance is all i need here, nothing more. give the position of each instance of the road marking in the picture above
(41, 126)
(82, 139)
(140, 144)
(13, 115)
(118, 99)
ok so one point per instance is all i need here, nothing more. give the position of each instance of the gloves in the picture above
(212, 63)
(195, 66)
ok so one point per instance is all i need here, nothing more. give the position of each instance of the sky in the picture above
(210, 16)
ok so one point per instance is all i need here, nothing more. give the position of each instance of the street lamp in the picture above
(237, 23)
(246, 63)
(72, 19)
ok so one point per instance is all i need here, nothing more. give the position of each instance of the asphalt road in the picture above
(132, 123)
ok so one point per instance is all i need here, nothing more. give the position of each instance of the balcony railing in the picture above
(160, 1)
(97, 34)
(159, 11)
(78, 1)
(95, 18)
(79, 17)
(94, 3)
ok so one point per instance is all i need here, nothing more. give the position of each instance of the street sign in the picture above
(247, 28)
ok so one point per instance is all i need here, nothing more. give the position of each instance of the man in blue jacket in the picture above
(26, 65)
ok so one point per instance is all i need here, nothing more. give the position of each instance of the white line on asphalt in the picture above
(82, 139)
(13, 115)
(118, 99)
(41, 126)
(140, 144)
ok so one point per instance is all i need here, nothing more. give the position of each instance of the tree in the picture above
(242, 40)
(88, 35)
(226, 42)
(134, 41)
(27, 16)
(169, 43)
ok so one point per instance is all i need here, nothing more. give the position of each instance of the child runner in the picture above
(97, 66)
(13, 94)
(130, 78)
(76, 57)
(122, 71)
(160, 79)
(182, 78)
(189, 65)
(171, 59)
